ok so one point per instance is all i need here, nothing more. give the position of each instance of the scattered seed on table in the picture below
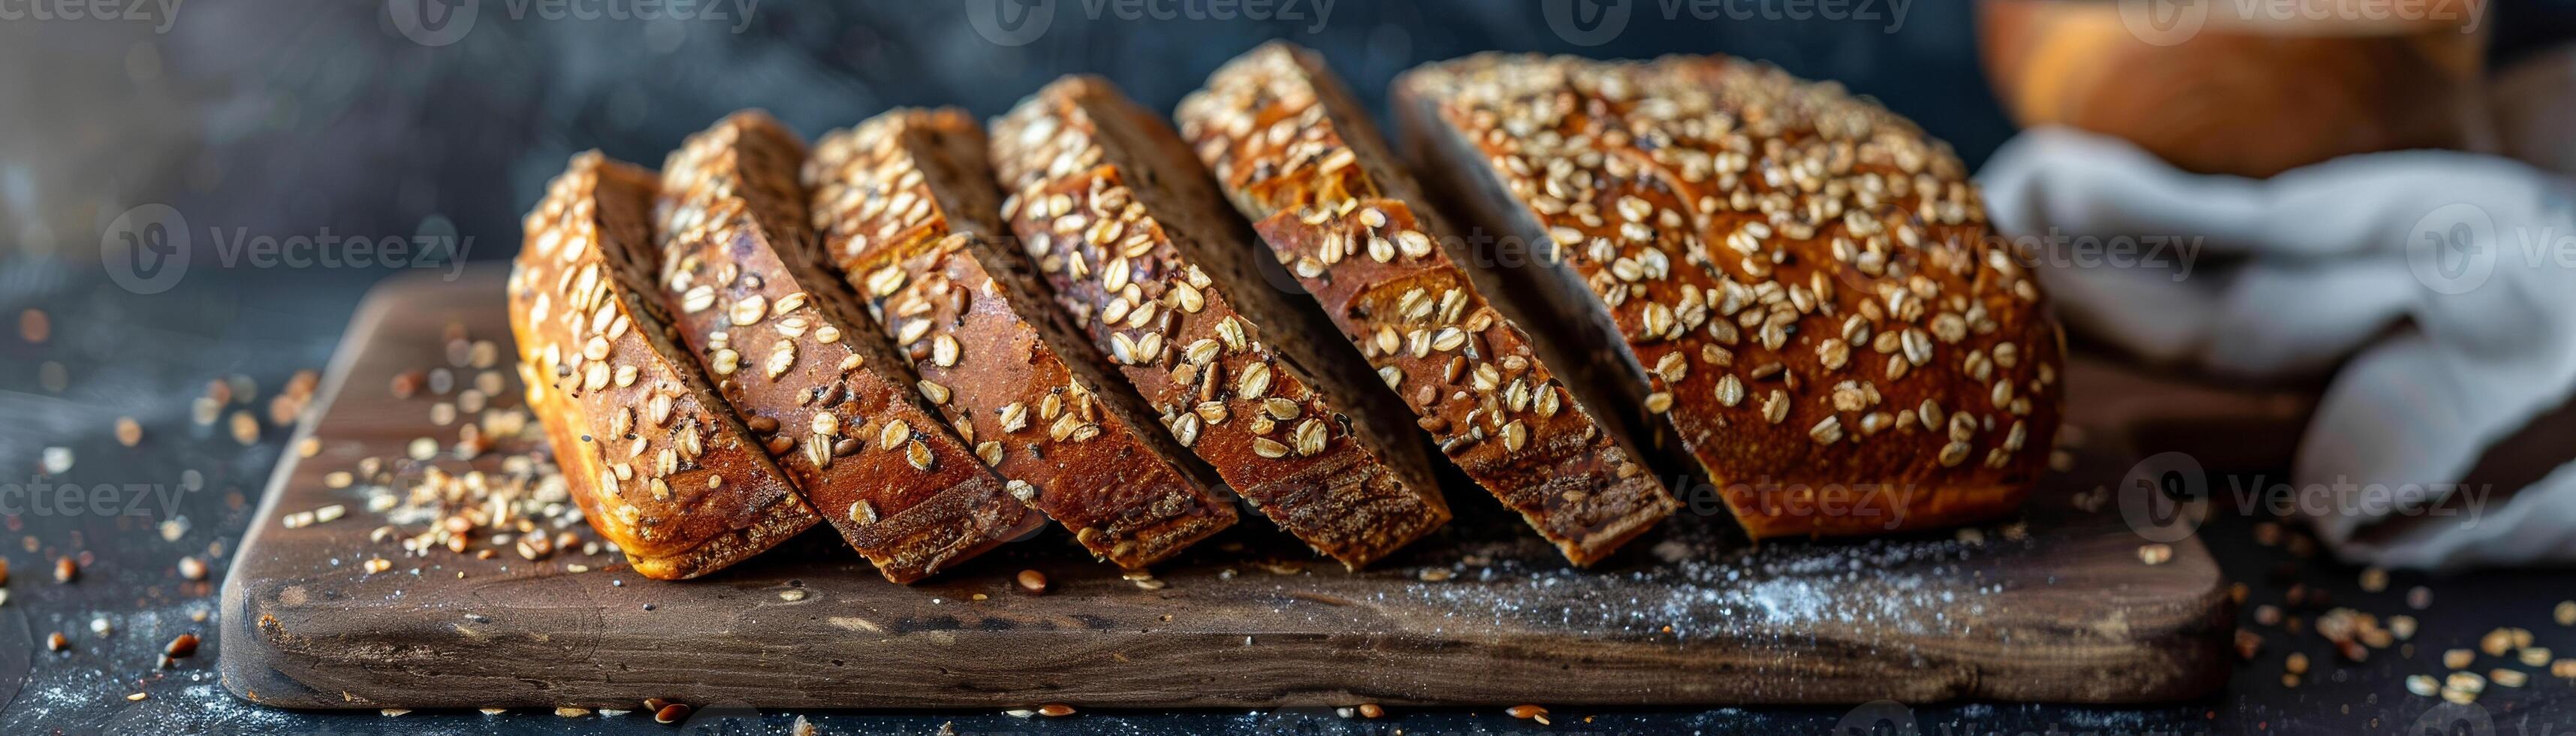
(183, 647)
(1033, 582)
(2459, 659)
(34, 326)
(128, 432)
(65, 570)
(2155, 554)
(672, 713)
(245, 428)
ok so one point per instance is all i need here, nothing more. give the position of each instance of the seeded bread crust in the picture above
(657, 462)
(906, 204)
(808, 369)
(1302, 161)
(1805, 283)
(1147, 258)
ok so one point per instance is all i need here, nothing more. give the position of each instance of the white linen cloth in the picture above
(2448, 280)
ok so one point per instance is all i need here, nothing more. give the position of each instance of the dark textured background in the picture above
(288, 118)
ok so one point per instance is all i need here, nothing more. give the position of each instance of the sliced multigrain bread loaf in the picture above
(1147, 259)
(1802, 284)
(657, 461)
(1300, 158)
(798, 357)
(907, 208)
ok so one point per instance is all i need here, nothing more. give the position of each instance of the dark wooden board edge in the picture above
(1319, 637)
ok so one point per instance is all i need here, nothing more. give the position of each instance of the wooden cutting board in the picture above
(2054, 606)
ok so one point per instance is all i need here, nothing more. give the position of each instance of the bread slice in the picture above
(1300, 158)
(1150, 262)
(1802, 285)
(907, 207)
(656, 460)
(805, 366)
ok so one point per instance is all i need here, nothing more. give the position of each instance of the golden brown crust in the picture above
(1145, 258)
(1029, 392)
(1296, 156)
(807, 369)
(1806, 283)
(657, 462)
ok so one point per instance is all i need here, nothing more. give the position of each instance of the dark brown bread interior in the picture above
(1302, 159)
(807, 367)
(1376, 490)
(1030, 392)
(615, 392)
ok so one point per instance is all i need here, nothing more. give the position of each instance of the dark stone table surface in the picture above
(277, 119)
